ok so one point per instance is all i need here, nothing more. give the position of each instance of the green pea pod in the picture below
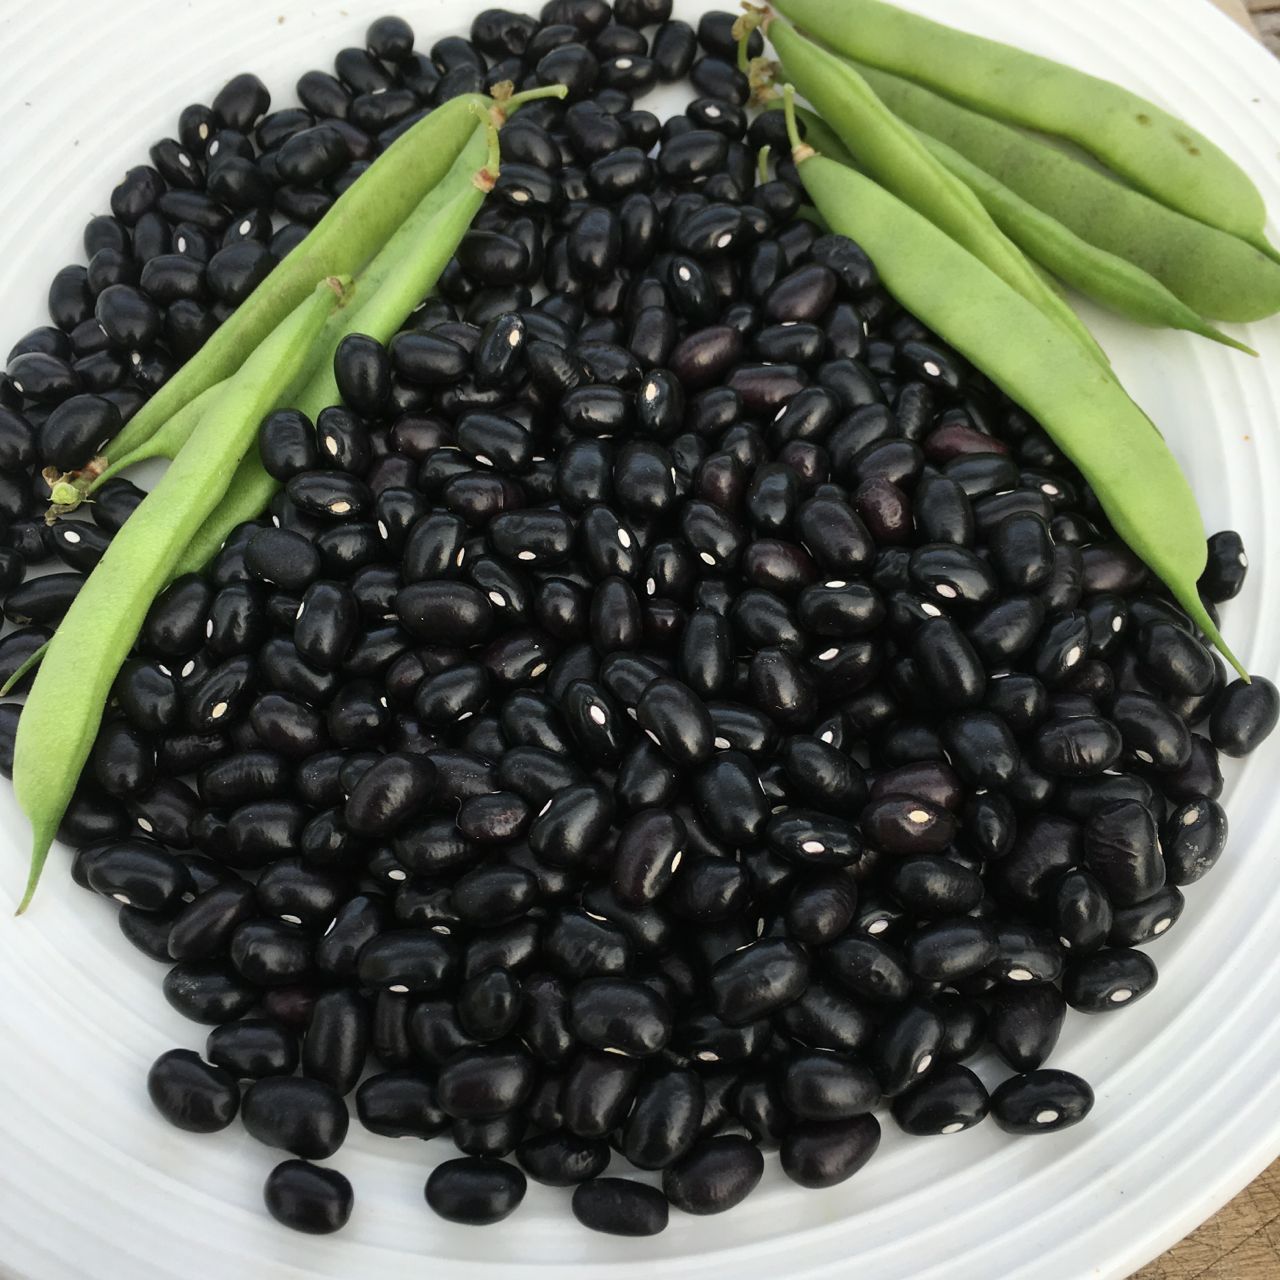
(1217, 275)
(63, 712)
(887, 151)
(341, 243)
(407, 269)
(1154, 150)
(1105, 277)
(1035, 362)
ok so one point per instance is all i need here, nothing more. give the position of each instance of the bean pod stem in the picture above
(64, 710)
(1033, 361)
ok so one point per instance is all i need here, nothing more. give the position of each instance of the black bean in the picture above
(208, 991)
(1122, 849)
(252, 1049)
(1041, 1101)
(758, 980)
(191, 1094)
(620, 1207)
(476, 1190)
(1108, 980)
(1244, 716)
(308, 1198)
(824, 1154)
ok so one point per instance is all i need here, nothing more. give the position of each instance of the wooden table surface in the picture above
(1242, 1240)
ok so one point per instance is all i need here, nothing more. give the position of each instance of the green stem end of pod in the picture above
(800, 149)
(747, 22)
(29, 665)
(40, 846)
(1189, 598)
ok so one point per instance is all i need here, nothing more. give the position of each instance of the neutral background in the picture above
(1242, 1241)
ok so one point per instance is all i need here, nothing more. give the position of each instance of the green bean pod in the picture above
(888, 151)
(409, 264)
(1217, 275)
(1036, 363)
(1154, 150)
(406, 269)
(341, 243)
(63, 712)
(1107, 278)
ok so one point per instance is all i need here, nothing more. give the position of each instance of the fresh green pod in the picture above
(406, 270)
(409, 264)
(63, 712)
(1038, 365)
(1154, 150)
(890, 153)
(360, 221)
(1217, 275)
(1107, 278)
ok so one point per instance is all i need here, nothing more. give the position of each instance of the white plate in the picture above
(94, 1184)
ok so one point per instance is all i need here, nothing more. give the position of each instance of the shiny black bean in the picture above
(1224, 574)
(400, 1104)
(1108, 980)
(1024, 1023)
(1041, 1101)
(598, 1092)
(203, 928)
(252, 1049)
(905, 1047)
(191, 1094)
(302, 1116)
(1195, 835)
(825, 1154)
(208, 991)
(1146, 921)
(948, 1101)
(559, 1159)
(308, 1197)
(450, 613)
(1084, 746)
(951, 949)
(1244, 716)
(1173, 659)
(475, 1190)
(758, 980)
(907, 826)
(620, 1207)
(717, 1174)
(402, 960)
(140, 875)
(1122, 849)
(618, 1015)
(337, 1040)
(44, 599)
(123, 761)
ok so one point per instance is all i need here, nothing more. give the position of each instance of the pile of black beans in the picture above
(673, 706)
